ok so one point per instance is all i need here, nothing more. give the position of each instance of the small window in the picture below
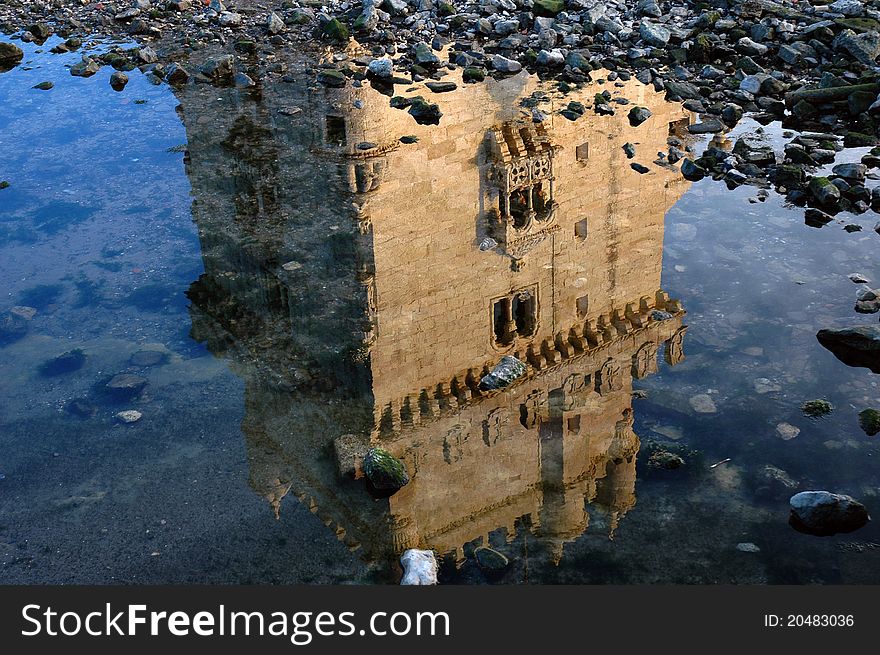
(582, 152)
(336, 130)
(574, 424)
(500, 312)
(583, 306)
(580, 229)
(525, 313)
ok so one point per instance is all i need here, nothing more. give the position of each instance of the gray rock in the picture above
(752, 83)
(230, 19)
(126, 385)
(749, 47)
(275, 24)
(505, 372)
(505, 65)
(550, 58)
(707, 126)
(849, 8)
(654, 34)
(855, 172)
(823, 513)
(864, 47)
(85, 68)
(382, 68)
(424, 55)
(648, 8)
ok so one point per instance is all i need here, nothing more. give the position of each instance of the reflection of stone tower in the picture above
(375, 308)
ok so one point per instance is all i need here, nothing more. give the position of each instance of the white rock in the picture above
(703, 404)
(419, 567)
(787, 431)
(129, 416)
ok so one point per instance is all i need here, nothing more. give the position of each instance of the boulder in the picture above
(869, 421)
(855, 346)
(384, 471)
(638, 115)
(419, 567)
(823, 513)
(505, 372)
(10, 55)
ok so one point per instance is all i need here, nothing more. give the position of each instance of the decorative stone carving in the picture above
(644, 360)
(674, 352)
(608, 377)
(534, 408)
(575, 389)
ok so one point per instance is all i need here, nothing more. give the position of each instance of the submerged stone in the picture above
(384, 471)
(869, 421)
(67, 362)
(505, 372)
(823, 513)
(126, 385)
(490, 560)
(816, 408)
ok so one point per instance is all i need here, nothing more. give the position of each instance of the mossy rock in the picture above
(4, 184)
(331, 77)
(859, 25)
(336, 31)
(869, 421)
(548, 8)
(816, 408)
(858, 140)
(446, 9)
(473, 74)
(384, 471)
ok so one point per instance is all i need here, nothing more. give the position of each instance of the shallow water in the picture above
(299, 273)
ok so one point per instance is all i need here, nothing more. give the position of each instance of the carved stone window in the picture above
(583, 306)
(582, 152)
(515, 316)
(581, 229)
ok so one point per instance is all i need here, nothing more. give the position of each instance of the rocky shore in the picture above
(811, 66)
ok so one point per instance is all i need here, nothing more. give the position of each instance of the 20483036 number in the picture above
(820, 620)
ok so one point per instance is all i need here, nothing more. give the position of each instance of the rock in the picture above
(855, 172)
(505, 65)
(425, 112)
(118, 80)
(787, 431)
(126, 385)
(129, 416)
(638, 115)
(331, 77)
(823, 513)
(230, 19)
(275, 24)
(856, 346)
(550, 58)
(13, 326)
(441, 87)
(816, 217)
(703, 404)
(382, 68)
(816, 408)
(336, 31)
(44, 86)
(548, 7)
(85, 68)
(41, 31)
(848, 7)
(424, 56)
(147, 55)
(748, 47)
(863, 47)
(869, 421)
(68, 362)
(505, 372)
(752, 83)
(384, 471)
(707, 126)
(868, 302)
(654, 34)
(473, 74)
(10, 55)
(824, 191)
(506, 27)
(639, 168)
(683, 90)
(648, 8)
(419, 567)
(219, 69)
(858, 278)
(692, 171)
(630, 150)
(748, 547)
(176, 75)
(663, 459)
(490, 560)
(772, 482)
(350, 449)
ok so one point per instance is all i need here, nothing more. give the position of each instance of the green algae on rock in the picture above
(384, 471)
